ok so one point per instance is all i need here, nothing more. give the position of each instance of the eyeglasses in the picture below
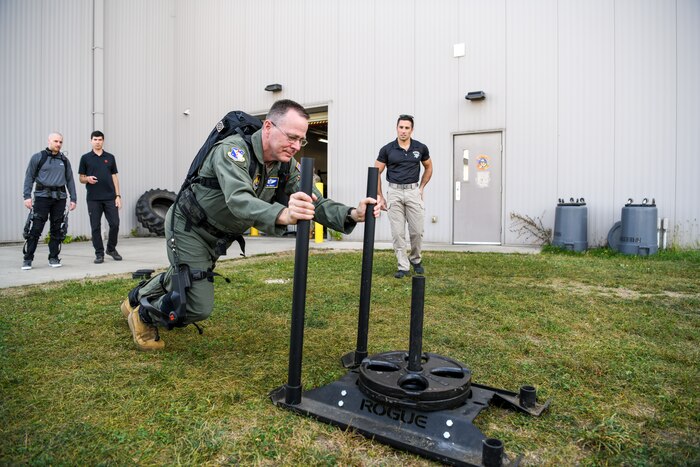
(292, 138)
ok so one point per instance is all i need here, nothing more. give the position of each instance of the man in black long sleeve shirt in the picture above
(52, 178)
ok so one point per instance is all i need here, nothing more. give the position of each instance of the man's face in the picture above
(97, 142)
(404, 130)
(284, 135)
(55, 142)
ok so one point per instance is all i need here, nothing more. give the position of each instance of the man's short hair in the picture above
(97, 134)
(280, 108)
(405, 117)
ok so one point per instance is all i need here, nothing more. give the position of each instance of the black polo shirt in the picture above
(101, 167)
(403, 167)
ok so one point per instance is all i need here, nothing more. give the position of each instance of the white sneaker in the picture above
(26, 265)
(55, 262)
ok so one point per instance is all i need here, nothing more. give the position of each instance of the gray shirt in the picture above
(54, 173)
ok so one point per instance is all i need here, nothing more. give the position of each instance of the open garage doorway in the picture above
(317, 148)
(317, 135)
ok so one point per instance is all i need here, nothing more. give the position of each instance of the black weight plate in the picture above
(442, 382)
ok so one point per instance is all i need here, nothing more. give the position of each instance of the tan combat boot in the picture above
(144, 335)
(126, 308)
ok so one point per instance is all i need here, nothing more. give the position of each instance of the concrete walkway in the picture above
(150, 253)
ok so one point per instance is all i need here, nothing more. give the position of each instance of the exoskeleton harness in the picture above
(32, 217)
(54, 190)
(173, 305)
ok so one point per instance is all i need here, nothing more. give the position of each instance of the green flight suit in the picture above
(241, 203)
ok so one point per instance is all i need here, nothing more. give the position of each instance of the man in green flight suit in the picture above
(235, 203)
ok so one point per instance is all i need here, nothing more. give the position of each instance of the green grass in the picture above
(613, 341)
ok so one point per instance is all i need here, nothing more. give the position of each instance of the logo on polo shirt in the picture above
(416, 154)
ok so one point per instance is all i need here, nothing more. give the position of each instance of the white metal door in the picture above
(477, 209)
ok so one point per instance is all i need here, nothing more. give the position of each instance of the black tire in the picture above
(152, 207)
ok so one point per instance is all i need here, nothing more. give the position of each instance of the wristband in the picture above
(118, 196)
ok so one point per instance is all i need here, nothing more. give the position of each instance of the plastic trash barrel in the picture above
(638, 235)
(571, 225)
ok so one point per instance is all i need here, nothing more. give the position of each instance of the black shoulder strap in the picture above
(281, 191)
(42, 161)
(253, 167)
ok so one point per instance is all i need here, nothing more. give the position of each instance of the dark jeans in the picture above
(96, 209)
(45, 209)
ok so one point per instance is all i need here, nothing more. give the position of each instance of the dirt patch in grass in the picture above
(619, 292)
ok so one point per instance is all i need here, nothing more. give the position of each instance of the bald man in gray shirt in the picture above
(52, 174)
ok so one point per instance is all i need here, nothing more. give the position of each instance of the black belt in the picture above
(40, 187)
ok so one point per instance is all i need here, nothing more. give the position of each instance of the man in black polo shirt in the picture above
(98, 171)
(402, 158)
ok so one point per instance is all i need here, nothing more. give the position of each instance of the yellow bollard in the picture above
(318, 228)
(254, 232)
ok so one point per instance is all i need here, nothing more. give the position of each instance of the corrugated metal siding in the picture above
(645, 103)
(438, 97)
(586, 149)
(596, 99)
(139, 112)
(353, 113)
(46, 71)
(686, 228)
(482, 28)
(531, 112)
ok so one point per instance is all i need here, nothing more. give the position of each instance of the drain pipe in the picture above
(664, 232)
(98, 69)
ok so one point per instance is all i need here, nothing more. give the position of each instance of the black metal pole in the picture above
(415, 346)
(367, 260)
(292, 390)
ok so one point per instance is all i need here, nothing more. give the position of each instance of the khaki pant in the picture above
(406, 206)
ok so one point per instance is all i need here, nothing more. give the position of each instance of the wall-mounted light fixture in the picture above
(186, 112)
(273, 87)
(475, 96)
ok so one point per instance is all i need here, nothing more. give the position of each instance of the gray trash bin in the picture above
(571, 225)
(638, 233)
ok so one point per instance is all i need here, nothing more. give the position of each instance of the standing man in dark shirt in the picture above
(402, 158)
(98, 171)
(51, 171)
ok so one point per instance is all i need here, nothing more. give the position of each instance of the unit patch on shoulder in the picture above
(236, 154)
(272, 182)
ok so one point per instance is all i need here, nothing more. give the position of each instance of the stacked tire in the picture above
(151, 209)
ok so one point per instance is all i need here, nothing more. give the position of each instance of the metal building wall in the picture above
(45, 86)
(596, 99)
(139, 122)
(531, 111)
(687, 151)
(586, 112)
